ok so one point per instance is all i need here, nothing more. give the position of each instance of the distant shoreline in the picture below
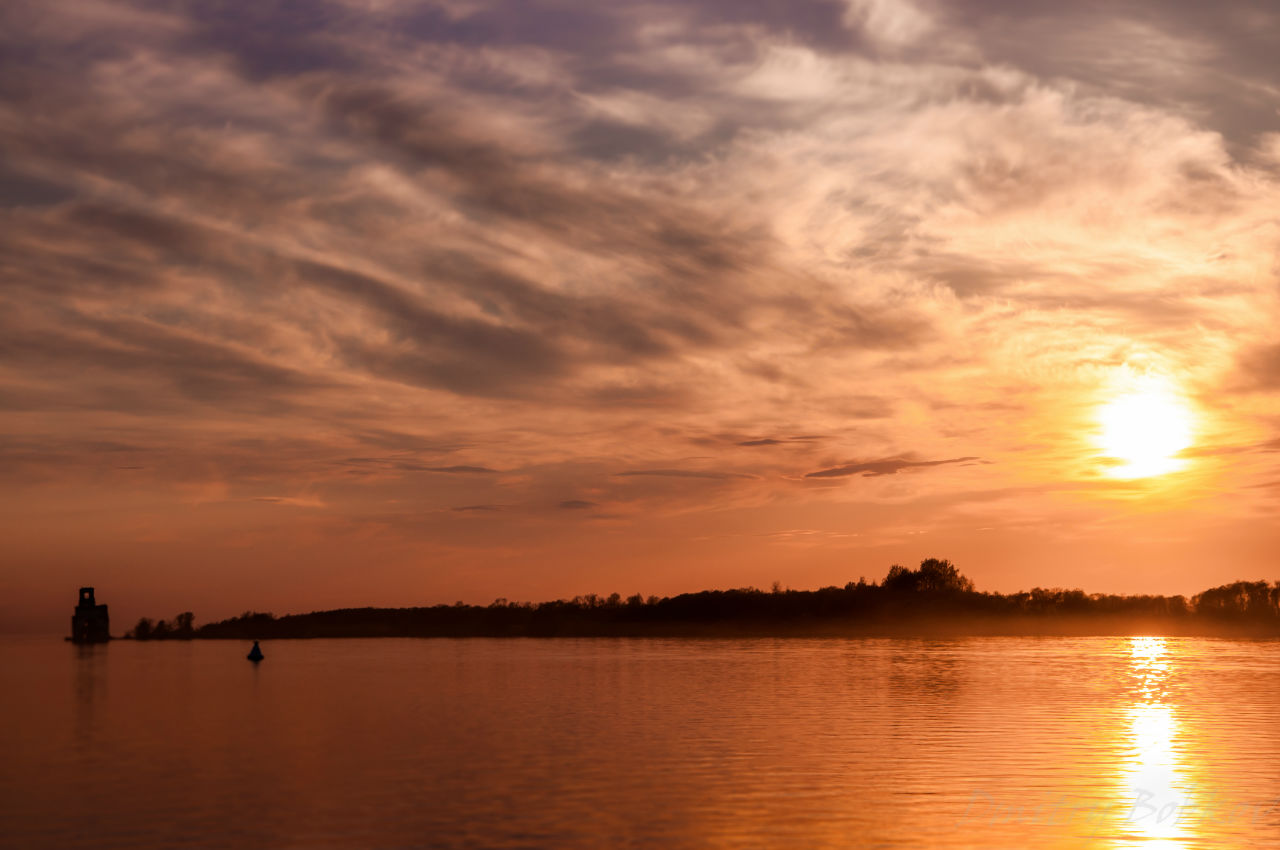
(935, 600)
(933, 629)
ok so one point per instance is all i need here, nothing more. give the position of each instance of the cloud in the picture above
(684, 473)
(409, 463)
(576, 504)
(295, 501)
(1259, 367)
(1177, 54)
(888, 466)
(892, 23)
(136, 350)
(771, 441)
(1264, 446)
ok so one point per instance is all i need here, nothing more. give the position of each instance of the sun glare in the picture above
(1143, 429)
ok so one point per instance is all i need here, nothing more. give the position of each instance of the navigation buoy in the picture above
(255, 654)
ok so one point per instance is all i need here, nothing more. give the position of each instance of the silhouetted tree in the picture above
(184, 625)
(900, 579)
(142, 631)
(934, 576)
(1252, 599)
(941, 576)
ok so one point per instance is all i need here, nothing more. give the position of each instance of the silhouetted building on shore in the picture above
(90, 623)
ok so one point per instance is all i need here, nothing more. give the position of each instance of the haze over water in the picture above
(991, 742)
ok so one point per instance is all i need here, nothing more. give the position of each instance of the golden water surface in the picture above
(985, 743)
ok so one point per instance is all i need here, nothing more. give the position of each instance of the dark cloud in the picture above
(544, 24)
(685, 473)
(165, 234)
(22, 190)
(408, 464)
(674, 238)
(772, 441)
(200, 369)
(1260, 367)
(404, 441)
(273, 38)
(595, 36)
(616, 327)
(465, 355)
(888, 466)
(576, 504)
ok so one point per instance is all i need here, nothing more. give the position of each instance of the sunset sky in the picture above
(337, 303)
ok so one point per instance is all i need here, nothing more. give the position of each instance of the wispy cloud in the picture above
(890, 466)
(685, 473)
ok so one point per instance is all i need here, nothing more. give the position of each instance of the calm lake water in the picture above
(991, 742)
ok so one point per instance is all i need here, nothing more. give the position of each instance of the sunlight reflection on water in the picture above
(1153, 780)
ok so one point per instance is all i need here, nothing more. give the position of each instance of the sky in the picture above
(328, 303)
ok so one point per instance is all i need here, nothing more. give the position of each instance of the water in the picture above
(994, 742)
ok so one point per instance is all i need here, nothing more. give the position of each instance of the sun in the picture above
(1143, 429)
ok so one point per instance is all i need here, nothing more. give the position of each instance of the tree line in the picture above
(935, 592)
(182, 627)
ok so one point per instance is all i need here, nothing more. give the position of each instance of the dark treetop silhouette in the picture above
(933, 599)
